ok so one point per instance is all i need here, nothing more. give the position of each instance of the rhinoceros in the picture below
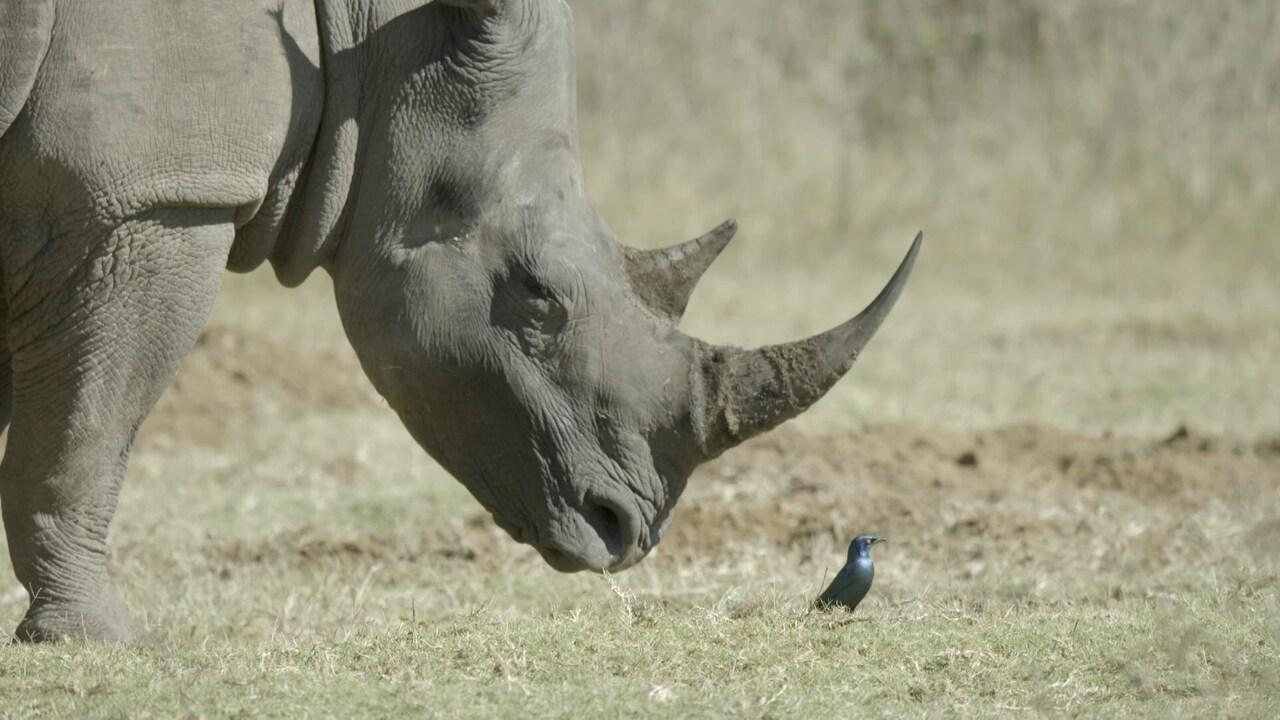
(425, 155)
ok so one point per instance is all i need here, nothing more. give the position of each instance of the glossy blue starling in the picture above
(854, 579)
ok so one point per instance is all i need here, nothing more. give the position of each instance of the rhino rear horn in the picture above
(742, 393)
(665, 278)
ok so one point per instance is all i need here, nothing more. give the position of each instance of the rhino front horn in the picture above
(664, 279)
(742, 393)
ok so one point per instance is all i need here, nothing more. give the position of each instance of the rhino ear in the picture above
(480, 6)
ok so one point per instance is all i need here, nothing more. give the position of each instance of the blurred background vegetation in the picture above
(1097, 181)
(1048, 123)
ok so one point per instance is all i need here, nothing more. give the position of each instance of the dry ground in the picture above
(297, 556)
(1070, 428)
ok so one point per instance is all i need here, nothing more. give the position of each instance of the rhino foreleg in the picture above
(89, 361)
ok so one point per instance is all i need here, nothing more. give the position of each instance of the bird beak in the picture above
(879, 540)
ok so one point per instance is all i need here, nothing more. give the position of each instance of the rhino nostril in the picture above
(607, 524)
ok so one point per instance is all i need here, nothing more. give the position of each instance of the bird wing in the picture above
(842, 582)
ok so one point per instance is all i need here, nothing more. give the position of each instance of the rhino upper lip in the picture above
(615, 517)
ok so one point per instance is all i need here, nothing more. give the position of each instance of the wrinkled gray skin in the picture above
(424, 154)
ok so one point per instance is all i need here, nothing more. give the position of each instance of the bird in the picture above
(854, 579)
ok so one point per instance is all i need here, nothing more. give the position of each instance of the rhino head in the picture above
(532, 355)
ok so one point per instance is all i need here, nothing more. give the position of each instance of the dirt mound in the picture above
(988, 500)
(231, 379)
(977, 502)
(466, 539)
(1027, 502)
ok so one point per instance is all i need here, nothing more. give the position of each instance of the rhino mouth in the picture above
(560, 561)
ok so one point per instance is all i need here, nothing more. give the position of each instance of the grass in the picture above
(336, 573)
(252, 623)
(758, 655)
(1097, 183)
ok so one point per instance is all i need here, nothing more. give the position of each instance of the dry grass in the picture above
(1097, 181)
(1061, 574)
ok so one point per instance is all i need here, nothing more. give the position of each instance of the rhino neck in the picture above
(311, 230)
(374, 52)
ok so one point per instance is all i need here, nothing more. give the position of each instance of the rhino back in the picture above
(141, 104)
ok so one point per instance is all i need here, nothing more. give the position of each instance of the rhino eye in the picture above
(536, 289)
(540, 301)
(530, 312)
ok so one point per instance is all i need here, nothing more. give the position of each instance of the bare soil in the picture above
(991, 500)
(1030, 500)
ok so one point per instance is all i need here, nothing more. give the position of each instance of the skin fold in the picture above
(424, 154)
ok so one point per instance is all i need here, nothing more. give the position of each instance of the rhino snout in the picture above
(600, 534)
